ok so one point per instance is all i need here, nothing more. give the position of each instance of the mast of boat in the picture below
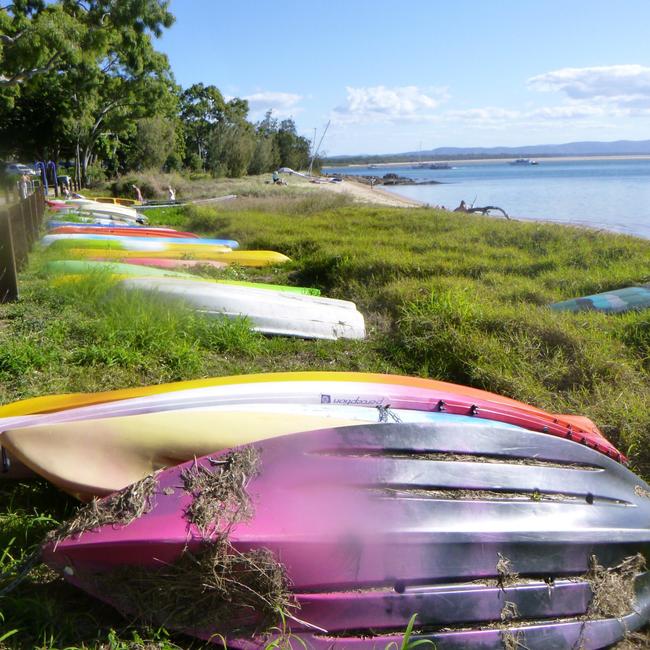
(311, 162)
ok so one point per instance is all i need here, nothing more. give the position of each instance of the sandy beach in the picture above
(362, 193)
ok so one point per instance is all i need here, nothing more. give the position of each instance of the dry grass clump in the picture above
(613, 588)
(512, 639)
(509, 612)
(220, 497)
(217, 590)
(119, 508)
(507, 575)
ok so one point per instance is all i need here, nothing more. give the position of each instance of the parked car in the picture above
(19, 169)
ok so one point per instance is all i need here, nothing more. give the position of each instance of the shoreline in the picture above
(363, 194)
(480, 161)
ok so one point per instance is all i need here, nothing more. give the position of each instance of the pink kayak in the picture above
(349, 532)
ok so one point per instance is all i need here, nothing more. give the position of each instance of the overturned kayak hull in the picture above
(270, 312)
(242, 258)
(486, 535)
(128, 231)
(174, 264)
(609, 302)
(90, 458)
(76, 268)
(127, 242)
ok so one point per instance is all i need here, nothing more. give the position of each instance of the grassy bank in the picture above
(447, 296)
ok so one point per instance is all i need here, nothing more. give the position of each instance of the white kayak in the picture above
(270, 312)
(103, 208)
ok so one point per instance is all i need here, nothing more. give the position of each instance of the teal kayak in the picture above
(609, 302)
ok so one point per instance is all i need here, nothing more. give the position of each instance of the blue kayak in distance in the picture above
(609, 302)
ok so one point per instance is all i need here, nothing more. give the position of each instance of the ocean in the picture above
(611, 194)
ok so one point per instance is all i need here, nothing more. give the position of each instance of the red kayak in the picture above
(125, 232)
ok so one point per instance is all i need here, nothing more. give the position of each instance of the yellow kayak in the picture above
(96, 457)
(243, 258)
(115, 201)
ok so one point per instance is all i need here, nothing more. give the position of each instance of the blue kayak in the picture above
(141, 241)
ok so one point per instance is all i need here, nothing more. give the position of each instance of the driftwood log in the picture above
(487, 209)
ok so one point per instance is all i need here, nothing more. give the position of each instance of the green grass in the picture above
(448, 296)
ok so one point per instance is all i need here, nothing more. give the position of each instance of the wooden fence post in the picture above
(8, 275)
(19, 227)
(19, 234)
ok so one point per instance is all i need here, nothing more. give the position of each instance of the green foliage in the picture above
(154, 142)
(293, 149)
(94, 65)
(230, 149)
(201, 107)
(265, 156)
(56, 36)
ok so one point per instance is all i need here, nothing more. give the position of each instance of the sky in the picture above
(408, 75)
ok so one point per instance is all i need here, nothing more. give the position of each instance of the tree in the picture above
(153, 143)
(109, 98)
(38, 37)
(31, 129)
(202, 107)
(230, 150)
(293, 149)
(265, 156)
(98, 60)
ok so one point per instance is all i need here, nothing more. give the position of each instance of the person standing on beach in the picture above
(171, 193)
(138, 193)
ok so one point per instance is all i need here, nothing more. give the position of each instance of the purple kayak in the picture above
(490, 535)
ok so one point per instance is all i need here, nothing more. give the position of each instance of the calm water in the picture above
(609, 194)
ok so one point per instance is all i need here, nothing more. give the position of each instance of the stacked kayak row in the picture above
(145, 260)
(343, 503)
(186, 419)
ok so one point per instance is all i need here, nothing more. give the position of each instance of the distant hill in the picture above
(618, 148)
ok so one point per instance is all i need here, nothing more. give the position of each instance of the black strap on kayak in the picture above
(385, 414)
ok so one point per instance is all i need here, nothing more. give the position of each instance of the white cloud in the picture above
(381, 103)
(282, 104)
(615, 84)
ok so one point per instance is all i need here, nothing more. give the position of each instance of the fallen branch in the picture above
(487, 209)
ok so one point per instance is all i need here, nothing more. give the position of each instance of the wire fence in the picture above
(20, 224)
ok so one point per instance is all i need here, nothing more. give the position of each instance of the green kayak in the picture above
(85, 267)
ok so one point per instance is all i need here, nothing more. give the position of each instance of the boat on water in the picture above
(524, 161)
(434, 166)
